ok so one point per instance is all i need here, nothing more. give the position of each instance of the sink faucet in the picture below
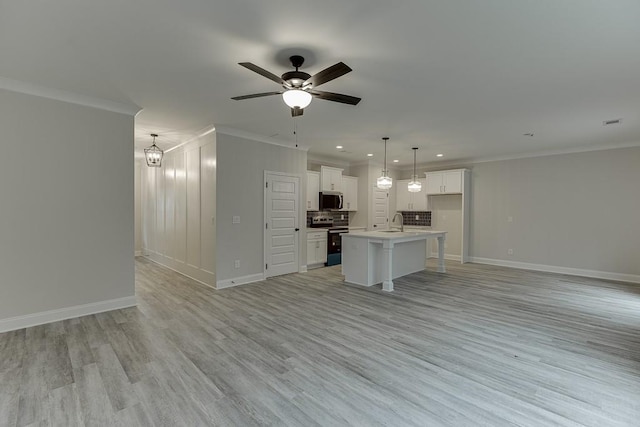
(401, 220)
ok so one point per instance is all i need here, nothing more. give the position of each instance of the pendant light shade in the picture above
(153, 154)
(414, 185)
(384, 182)
(296, 98)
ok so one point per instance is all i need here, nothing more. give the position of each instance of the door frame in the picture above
(264, 218)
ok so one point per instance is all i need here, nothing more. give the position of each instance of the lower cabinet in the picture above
(316, 248)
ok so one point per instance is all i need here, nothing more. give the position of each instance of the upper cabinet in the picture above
(408, 201)
(313, 190)
(349, 193)
(330, 179)
(444, 182)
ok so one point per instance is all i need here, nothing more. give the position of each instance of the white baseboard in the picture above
(314, 266)
(138, 253)
(303, 269)
(19, 322)
(450, 257)
(633, 278)
(199, 275)
(236, 281)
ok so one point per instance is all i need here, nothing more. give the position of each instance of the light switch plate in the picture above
(236, 219)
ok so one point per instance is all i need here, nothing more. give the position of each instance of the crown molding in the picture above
(334, 161)
(545, 153)
(259, 138)
(70, 97)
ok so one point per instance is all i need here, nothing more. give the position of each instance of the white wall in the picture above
(179, 205)
(66, 216)
(137, 207)
(577, 210)
(240, 192)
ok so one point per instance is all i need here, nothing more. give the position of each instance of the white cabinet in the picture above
(313, 190)
(331, 179)
(408, 201)
(316, 247)
(444, 182)
(349, 193)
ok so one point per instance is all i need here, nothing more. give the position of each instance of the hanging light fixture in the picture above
(414, 185)
(153, 154)
(384, 182)
(297, 98)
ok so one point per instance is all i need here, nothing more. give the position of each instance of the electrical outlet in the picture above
(237, 263)
(342, 216)
(417, 217)
(509, 251)
(236, 219)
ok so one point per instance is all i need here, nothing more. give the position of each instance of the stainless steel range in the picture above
(334, 238)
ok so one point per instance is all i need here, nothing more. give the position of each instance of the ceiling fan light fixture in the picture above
(414, 185)
(297, 98)
(153, 154)
(384, 182)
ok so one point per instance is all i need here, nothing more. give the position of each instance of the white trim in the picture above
(633, 278)
(328, 160)
(195, 138)
(303, 269)
(449, 257)
(183, 268)
(237, 281)
(26, 321)
(65, 96)
(259, 138)
(138, 253)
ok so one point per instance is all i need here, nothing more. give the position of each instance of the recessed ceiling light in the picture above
(396, 161)
(370, 155)
(339, 147)
(439, 155)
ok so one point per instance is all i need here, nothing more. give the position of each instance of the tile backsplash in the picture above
(424, 218)
(337, 217)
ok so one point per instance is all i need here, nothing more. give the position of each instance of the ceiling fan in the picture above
(300, 87)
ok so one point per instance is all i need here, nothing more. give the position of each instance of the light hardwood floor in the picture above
(478, 346)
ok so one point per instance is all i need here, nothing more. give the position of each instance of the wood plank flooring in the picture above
(478, 346)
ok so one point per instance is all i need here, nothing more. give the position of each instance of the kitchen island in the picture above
(371, 257)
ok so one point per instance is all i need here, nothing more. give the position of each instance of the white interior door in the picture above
(380, 208)
(282, 196)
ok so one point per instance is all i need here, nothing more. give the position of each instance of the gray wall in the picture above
(67, 215)
(240, 181)
(577, 210)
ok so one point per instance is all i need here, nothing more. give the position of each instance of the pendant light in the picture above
(384, 182)
(153, 154)
(414, 185)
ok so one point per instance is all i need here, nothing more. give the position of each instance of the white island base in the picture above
(372, 257)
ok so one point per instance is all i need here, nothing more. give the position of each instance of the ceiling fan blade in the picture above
(296, 111)
(255, 95)
(336, 97)
(262, 72)
(328, 74)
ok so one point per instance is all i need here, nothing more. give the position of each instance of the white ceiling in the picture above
(464, 78)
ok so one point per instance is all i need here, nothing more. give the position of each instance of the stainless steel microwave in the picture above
(330, 201)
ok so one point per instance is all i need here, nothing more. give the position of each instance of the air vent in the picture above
(612, 122)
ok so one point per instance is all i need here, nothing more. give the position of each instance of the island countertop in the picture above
(397, 234)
